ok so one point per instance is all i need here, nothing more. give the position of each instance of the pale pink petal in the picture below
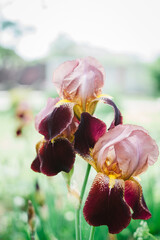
(64, 70)
(45, 111)
(127, 156)
(79, 80)
(134, 149)
(109, 139)
(136, 153)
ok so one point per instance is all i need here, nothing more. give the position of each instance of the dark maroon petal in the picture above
(118, 119)
(56, 157)
(51, 102)
(134, 198)
(57, 121)
(35, 166)
(105, 205)
(89, 131)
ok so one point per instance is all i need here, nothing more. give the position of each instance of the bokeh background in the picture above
(35, 37)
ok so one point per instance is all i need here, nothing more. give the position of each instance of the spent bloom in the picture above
(79, 85)
(119, 156)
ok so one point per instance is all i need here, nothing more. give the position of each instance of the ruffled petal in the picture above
(56, 157)
(134, 198)
(79, 80)
(64, 70)
(89, 131)
(105, 204)
(53, 120)
(134, 149)
(35, 166)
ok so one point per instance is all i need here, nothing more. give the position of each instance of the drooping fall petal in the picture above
(133, 148)
(53, 119)
(79, 80)
(105, 205)
(71, 129)
(35, 166)
(118, 119)
(48, 109)
(89, 131)
(134, 198)
(56, 157)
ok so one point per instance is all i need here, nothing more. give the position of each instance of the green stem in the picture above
(78, 225)
(91, 237)
(85, 182)
(112, 236)
(32, 235)
(77, 222)
(153, 237)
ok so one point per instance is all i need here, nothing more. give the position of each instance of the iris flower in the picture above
(55, 152)
(79, 85)
(119, 156)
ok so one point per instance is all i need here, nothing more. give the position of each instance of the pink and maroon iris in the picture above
(118, 156)
(58, 124)
(106, 205)
(118, 153)
(55, 153)
(54, 157)
(79, 84)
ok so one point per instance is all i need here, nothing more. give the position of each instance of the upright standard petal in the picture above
(134, 149)
(61, 73)
(79, 80)
(54, 157)
(105, 205)
(134, 198)
(54, 119)
(89, 131)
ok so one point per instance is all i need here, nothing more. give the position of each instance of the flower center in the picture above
(111, 168)
(111, 181)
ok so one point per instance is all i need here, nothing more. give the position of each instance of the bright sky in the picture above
(128, 26)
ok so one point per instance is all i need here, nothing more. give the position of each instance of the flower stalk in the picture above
(112, 236)
(77, 222)
(31, 220)
(92, 231)
(151, 236)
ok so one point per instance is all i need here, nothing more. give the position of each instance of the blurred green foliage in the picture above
(155, 71)
(55, 212)
(9, 58)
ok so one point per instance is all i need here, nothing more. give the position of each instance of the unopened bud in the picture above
(39, 195)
